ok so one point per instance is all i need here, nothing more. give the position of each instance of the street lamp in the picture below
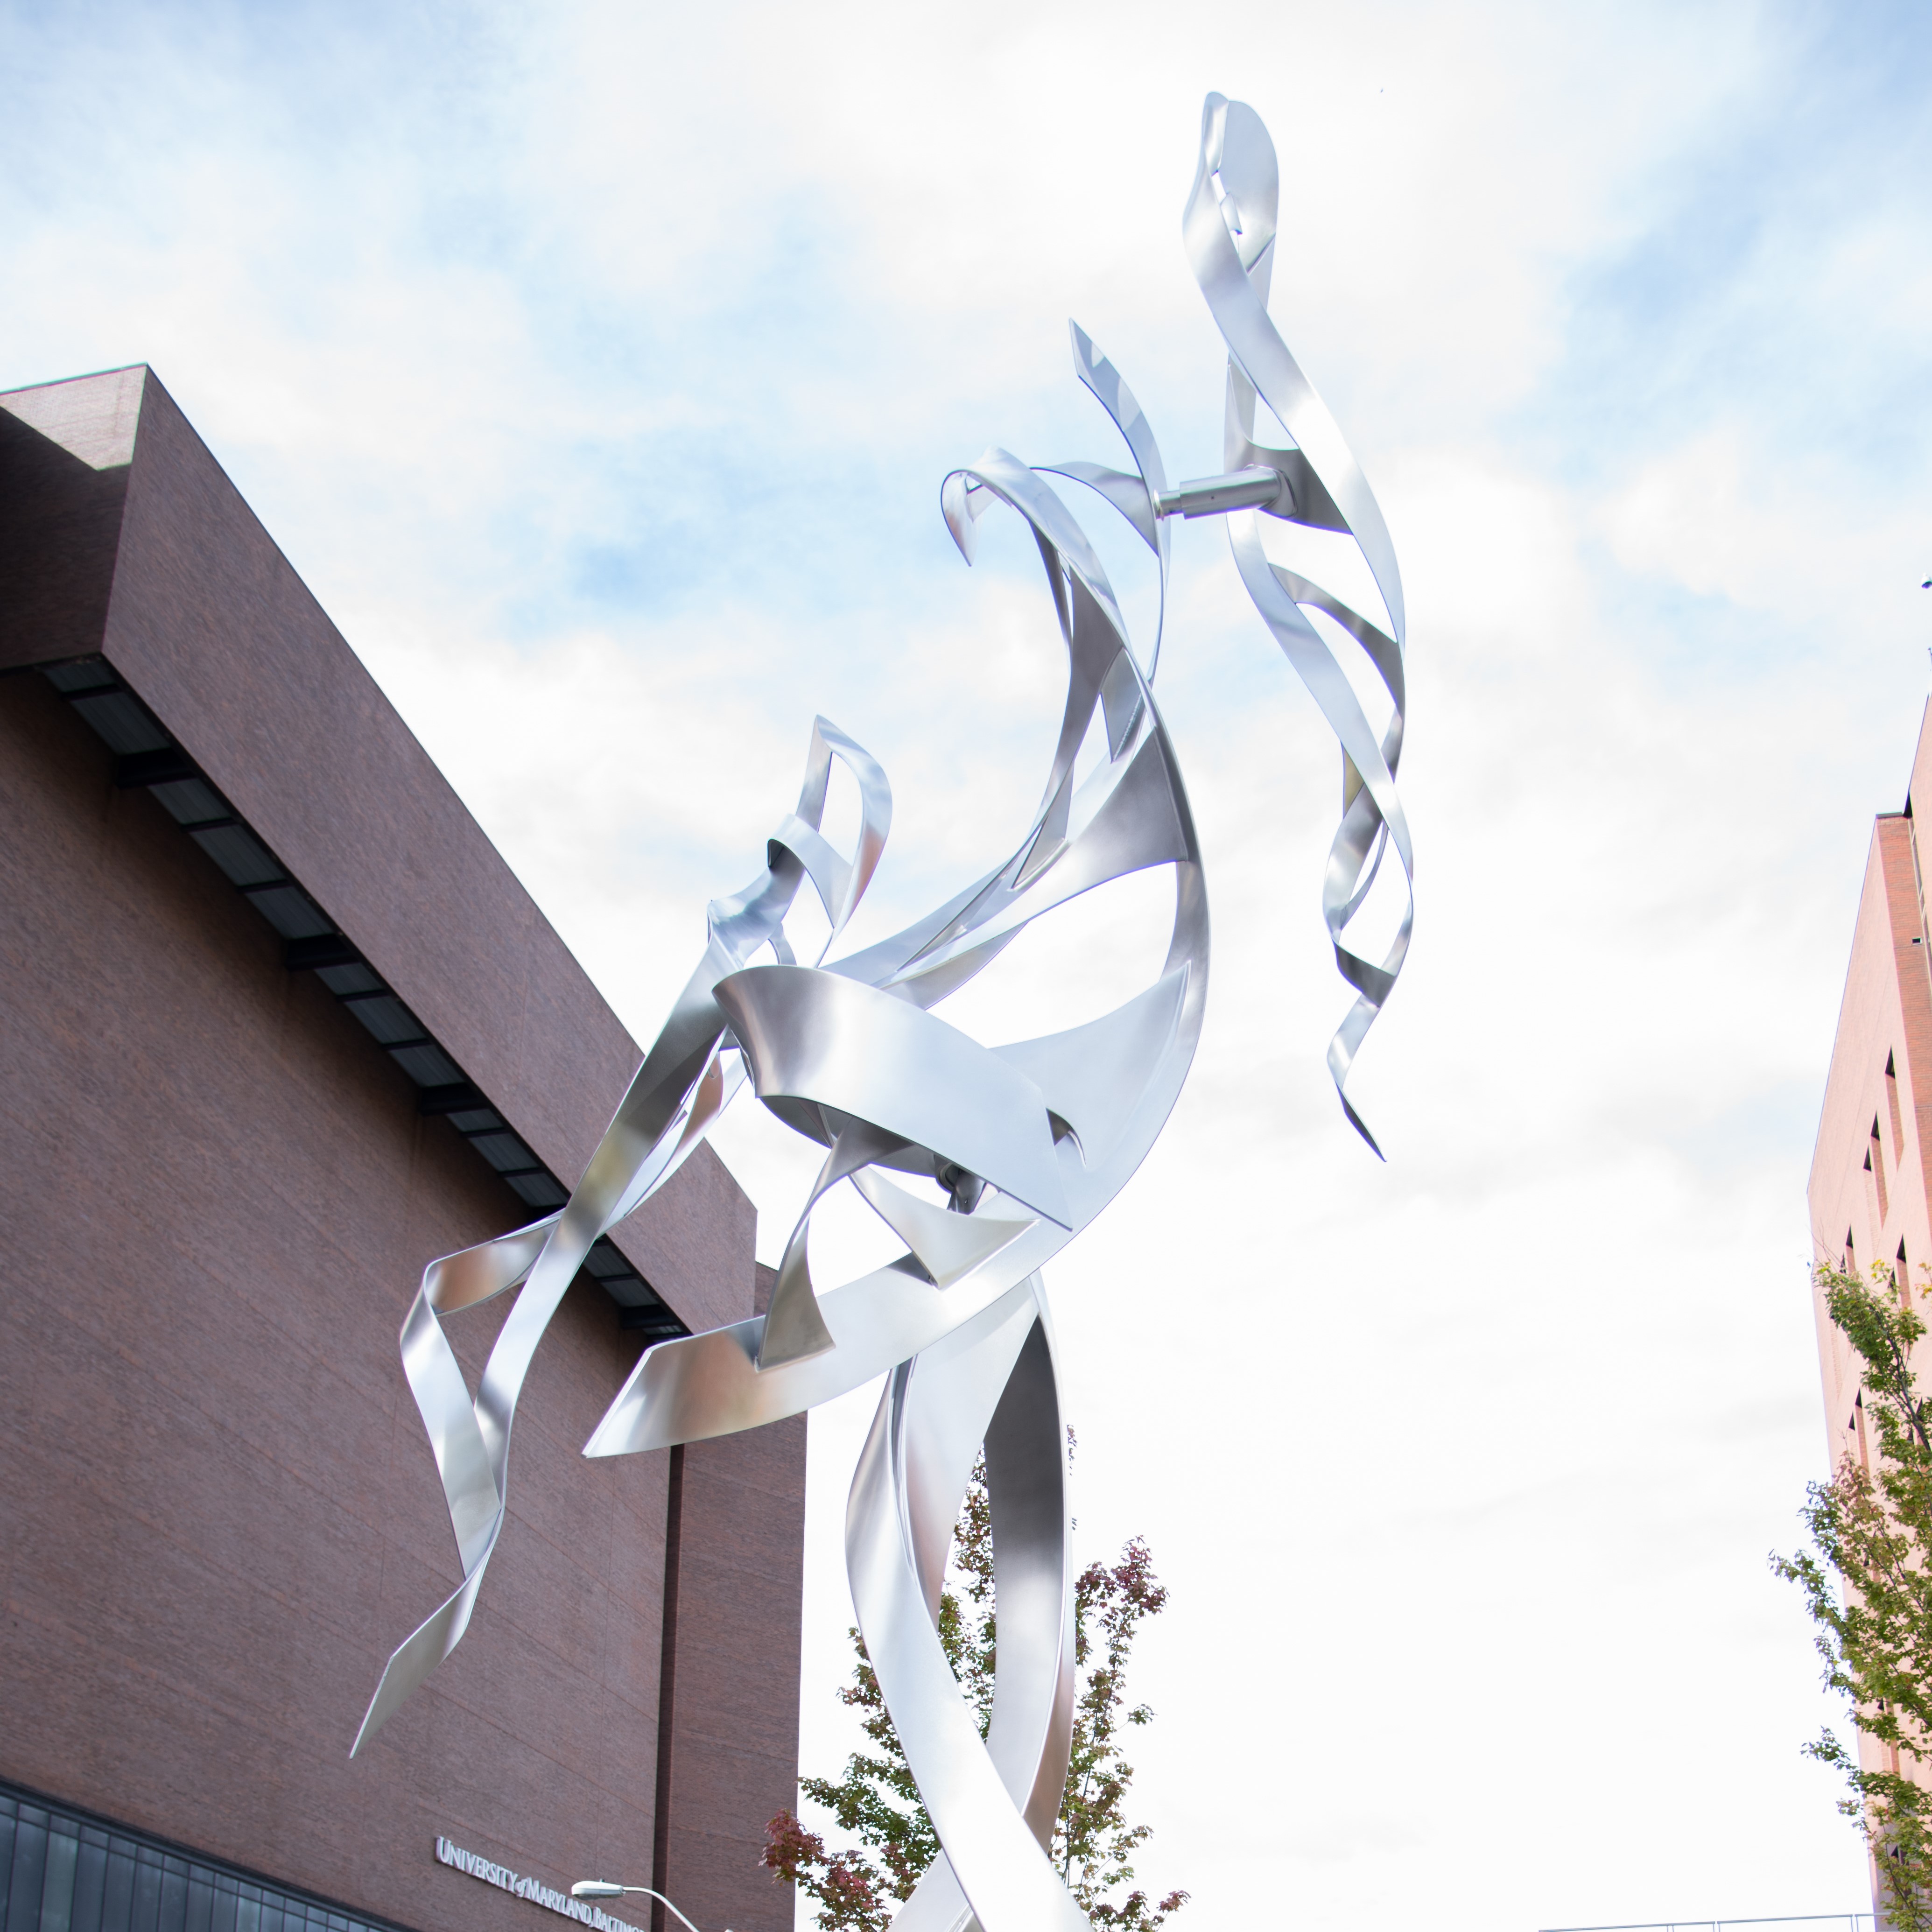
(600, 1888)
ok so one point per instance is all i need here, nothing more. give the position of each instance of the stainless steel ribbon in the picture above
(1229, 229)
(1015, 1147)
(683, 1086)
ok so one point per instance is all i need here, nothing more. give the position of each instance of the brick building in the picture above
(1870, 1192)
(280, 1026)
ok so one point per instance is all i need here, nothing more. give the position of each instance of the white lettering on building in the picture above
(537, 1893)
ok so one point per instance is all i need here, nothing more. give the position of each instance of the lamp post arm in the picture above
(595, 1887)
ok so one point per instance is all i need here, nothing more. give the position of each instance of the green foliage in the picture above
(878, 1803)
(1093, 1843)
(1870, 1528)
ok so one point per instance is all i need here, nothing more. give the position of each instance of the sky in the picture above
(598, 366)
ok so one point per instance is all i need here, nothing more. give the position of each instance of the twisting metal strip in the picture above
(1229, 229)
(820, 1044)
(675, 1094)
(992, 1804)
(1027, 1142)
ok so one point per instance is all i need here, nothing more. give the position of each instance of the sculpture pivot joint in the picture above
(1256, 488)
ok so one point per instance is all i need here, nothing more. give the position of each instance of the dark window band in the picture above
(64, 1870)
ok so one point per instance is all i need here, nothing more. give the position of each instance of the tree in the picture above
(1872, 1526)
(1093, 1843)
(876, 1801)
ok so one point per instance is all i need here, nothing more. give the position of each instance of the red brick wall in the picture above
(731, 1758)
(220, 1511)
(217, 1511)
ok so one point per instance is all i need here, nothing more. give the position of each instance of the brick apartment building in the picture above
(279, 1025)
(1870, 1192)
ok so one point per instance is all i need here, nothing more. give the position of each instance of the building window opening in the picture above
(65, 1871)
(1901, 1277)
(1892, 1107)
(1875, 1166)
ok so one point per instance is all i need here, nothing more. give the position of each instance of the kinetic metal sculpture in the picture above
(1027, 1142)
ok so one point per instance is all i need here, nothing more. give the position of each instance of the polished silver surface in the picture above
(984, 1161)
(1229, 230)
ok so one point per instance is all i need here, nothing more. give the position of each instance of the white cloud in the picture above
(597, 367)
